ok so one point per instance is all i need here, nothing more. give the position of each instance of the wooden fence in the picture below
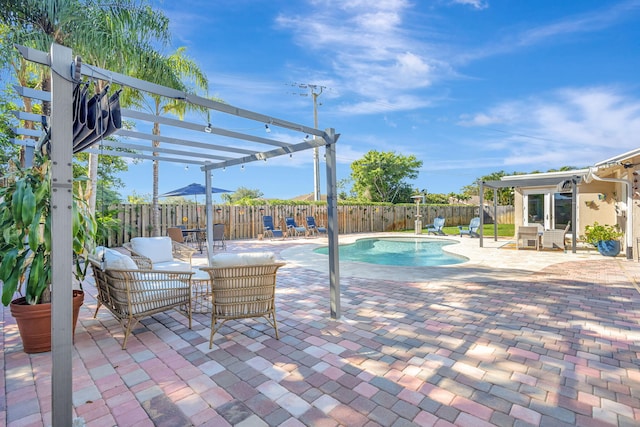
(245, 222)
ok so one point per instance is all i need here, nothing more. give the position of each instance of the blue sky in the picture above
(469, 87)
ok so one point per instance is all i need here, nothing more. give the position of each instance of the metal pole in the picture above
(209, 213)
(61, 235)
(316, 150)
(574, 213)
(332, 226)
(481, 213)
(495, 214)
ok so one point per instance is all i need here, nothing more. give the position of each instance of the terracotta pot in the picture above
(34, 322)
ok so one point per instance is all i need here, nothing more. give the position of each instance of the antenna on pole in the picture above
(316, 91)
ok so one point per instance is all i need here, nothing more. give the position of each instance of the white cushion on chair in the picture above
(157, 249)
(176, 265)
(249, 258)
(114, 260)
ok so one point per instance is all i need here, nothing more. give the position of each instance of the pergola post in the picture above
(481, 213)
(332, 225)
(61, 235)
(209, 213)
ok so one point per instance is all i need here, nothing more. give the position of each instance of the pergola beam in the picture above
(184, 142)
(130, 155)
(152, 118)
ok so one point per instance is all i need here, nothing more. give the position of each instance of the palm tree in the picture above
(109, 34)
(173, 71)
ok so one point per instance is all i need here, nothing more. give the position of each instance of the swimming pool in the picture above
(400, 251)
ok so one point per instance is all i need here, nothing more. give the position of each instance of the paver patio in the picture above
(558, 346)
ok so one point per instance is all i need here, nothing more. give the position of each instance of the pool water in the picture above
(413, 252)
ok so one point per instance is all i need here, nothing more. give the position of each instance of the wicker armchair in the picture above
(243, 291)
(179, 251)
(131, 295)
(554, 239)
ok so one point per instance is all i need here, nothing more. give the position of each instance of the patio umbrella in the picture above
(193, 190)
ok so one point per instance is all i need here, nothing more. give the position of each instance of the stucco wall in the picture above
(593, 207)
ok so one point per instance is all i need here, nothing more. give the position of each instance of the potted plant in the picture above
(605, 237)
(25, 250)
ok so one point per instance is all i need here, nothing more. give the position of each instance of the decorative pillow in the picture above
(249, 258)
(114, 260)
(157, 249)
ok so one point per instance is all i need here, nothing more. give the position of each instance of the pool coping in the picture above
(491, 262)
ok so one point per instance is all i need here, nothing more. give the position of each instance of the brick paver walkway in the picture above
(557, 347)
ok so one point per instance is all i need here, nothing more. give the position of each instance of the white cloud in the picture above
(592, 21)
(572, 126)
(476, 4)
(384, 105)
(371, 51)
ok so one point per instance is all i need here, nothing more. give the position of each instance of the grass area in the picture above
(504, 230)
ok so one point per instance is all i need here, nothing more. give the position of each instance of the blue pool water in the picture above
(413, 252)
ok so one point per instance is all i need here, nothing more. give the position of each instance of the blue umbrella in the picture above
(193, 190)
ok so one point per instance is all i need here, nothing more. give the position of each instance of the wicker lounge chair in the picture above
(136, 292)
(243, 286)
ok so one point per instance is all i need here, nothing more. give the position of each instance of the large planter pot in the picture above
(609, 247)
(34, 322)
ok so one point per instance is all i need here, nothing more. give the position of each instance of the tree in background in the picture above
(381, 177)
(241, 195)
(505, 195)
(109, 181)
(8, 150)
(437, 199)
(138, 199)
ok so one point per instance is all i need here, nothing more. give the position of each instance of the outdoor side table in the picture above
(200, 291)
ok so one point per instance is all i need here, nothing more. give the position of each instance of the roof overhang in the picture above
(548, 179)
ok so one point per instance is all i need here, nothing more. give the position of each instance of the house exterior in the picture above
(607, 192)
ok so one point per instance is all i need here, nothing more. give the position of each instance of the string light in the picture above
(267, 128)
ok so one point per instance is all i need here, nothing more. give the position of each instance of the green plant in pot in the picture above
(604, 237)
(25, 249)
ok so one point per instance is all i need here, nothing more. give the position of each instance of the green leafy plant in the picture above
(25, 243)
(596, 233)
